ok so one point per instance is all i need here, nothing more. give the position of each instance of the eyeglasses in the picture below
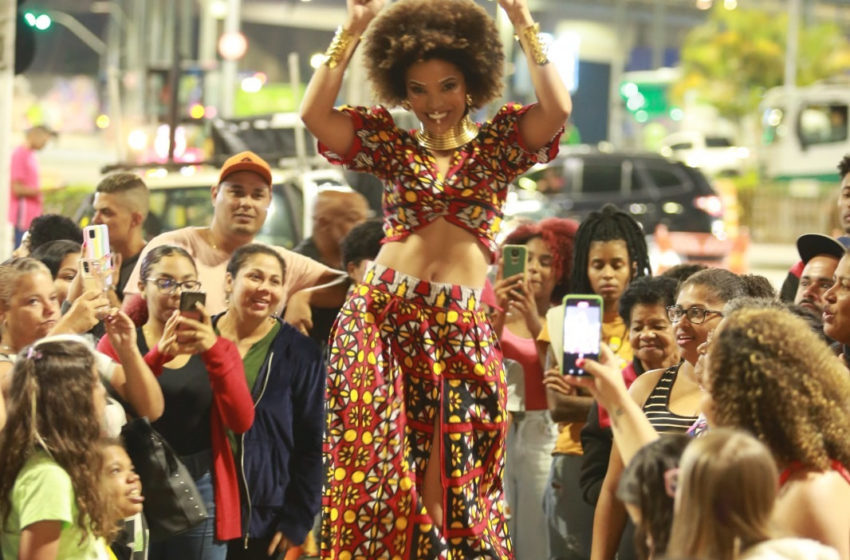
(170, 285)
(695, 315)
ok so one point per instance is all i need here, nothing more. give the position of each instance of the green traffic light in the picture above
(40, 22)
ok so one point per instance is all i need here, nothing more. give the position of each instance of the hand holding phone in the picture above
(187, 304)
(97, 256)
(582, 331)
(513, 260)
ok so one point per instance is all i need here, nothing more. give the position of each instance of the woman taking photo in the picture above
(412, 343)
(205, 395)
(280, 457)
(525, 298)
(670, 398)
(51, 505)
(29, 311)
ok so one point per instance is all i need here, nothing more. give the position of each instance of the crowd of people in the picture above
(384, 388)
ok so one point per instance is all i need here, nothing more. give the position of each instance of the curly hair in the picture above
(456, 31)
(769, 374)
(558, 234)
(643, 485)
(608, 224)
(53, 409)
(648, 290)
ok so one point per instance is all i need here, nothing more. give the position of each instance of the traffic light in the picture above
(27, 23)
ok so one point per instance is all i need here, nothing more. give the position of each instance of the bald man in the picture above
(335, 212)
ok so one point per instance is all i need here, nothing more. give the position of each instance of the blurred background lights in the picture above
(102, 121)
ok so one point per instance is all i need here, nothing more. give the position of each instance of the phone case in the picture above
(95, 242)
(513, 260)
(582, 333)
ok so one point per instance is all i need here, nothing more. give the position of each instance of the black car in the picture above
(653, 189)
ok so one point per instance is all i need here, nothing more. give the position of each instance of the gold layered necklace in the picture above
(462, 133)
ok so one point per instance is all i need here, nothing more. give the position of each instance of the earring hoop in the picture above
(469, 101)
(406, 105)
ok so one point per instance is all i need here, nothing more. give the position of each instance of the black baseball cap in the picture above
(810, 245)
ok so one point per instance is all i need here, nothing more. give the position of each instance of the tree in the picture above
(736, 55)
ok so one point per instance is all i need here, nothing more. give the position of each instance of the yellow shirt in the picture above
(616, 335)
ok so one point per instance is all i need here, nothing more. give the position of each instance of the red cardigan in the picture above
(233, 409)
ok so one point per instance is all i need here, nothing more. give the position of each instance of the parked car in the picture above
(655, 190)
(714, 154)
(182, 198)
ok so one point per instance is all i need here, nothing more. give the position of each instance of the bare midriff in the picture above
(439, 252)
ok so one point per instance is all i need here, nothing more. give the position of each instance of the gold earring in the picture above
(469, 101)
(406, 105)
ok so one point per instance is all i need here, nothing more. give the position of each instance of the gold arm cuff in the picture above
(338, 48)
(531, 35)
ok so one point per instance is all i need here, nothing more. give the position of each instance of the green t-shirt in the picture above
(43, 492)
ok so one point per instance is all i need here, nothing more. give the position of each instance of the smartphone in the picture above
(513, 260)
(97, 254)
(92, 280)
(582, 331)
(95, 242)
(187, 304)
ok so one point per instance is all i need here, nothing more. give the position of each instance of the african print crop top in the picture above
(415, 194)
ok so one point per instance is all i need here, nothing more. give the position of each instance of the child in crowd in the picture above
(51, 503)
(122, 490)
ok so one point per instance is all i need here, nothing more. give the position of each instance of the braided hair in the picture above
(608, 224)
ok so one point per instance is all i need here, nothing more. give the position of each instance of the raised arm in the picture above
(331, 127)
(554, 105)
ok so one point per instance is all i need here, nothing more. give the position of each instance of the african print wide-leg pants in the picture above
(409, 357)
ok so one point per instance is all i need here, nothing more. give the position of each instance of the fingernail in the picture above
(580, 362)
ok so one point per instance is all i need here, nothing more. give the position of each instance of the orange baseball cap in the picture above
(246, 161)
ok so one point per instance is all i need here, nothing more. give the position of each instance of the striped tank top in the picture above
(657, 406)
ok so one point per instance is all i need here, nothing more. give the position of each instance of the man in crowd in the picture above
(789, 290)
(335, 212)
(240, 204)
(820, 255)
(121, 204)
(25, 202)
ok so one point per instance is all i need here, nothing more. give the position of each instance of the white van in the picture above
(805, 132)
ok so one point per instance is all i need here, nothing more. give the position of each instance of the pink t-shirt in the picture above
(301, 272)
(524, 351)
(24, 169)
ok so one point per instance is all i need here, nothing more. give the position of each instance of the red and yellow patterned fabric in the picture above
(410, 357)
(415, 194)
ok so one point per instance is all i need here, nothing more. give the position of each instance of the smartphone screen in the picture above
(187, 304)
(513, 260)
(582, 331)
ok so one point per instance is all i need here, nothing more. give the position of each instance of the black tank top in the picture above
(185, 422)
(657, 406)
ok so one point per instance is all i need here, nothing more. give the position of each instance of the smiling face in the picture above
(836, 309)
(121, 484)
(257, 289)
(651, 336)
(609, 270)
(241, 203)
(689, 335)
(436, 91)
(33, 309)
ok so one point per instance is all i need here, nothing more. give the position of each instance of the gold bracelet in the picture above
(531, 34)
(339, 46)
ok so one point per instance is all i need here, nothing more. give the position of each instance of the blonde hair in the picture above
(11, 271)
(724, 498)
(769, 374)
